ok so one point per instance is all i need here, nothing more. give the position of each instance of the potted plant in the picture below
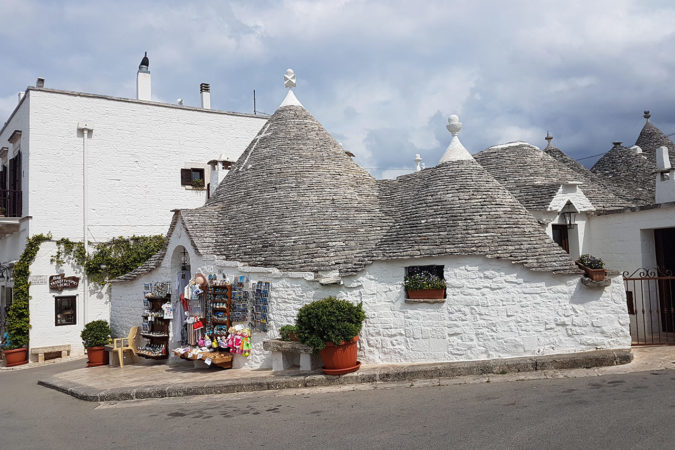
(331, 326)
(287, 333)
(198, 183)
(15, 343)
(95, 336)
(594, 267)
(424, 285)
(15, 352)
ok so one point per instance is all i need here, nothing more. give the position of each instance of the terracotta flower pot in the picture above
(593, 274)
(340, 359)
(16, 357)
(97, 356)
(426, 293)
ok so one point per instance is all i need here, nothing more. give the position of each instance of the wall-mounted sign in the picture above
(38, 279)
(60, 282)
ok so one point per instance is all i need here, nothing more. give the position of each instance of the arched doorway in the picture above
(180, 269)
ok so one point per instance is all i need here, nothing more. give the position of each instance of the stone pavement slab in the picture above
(157, 381)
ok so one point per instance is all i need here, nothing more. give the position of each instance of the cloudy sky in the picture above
(382, 77)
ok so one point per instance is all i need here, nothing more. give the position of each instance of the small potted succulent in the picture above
(594, 267)
(331, 327)
(424, 285)
(95, 336)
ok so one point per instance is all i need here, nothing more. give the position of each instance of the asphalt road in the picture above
(618, 411)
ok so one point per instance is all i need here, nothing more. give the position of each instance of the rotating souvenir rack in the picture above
(155, 328)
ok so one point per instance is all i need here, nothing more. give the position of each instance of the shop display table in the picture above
(220, 359)
(287, 354)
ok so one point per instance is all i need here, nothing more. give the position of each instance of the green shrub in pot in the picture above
(329, 320)
(96, 334)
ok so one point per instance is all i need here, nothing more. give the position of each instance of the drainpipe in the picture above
(86, 128)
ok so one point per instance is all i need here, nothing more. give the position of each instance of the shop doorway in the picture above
(664, 242)
(180, 266)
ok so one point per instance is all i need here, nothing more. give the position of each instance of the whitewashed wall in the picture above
(626, 240)
(135, 154)
(494, 309)
(578, 235)
(43, 331)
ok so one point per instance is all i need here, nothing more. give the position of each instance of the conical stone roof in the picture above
(651, 138)
(633, 172)
(561, 157)
(534, 177)
(458, 208)
(296, 202)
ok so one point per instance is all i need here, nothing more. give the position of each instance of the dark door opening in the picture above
(664, 241)
(560, 237)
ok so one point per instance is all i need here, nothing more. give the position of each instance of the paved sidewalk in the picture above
(156, 381)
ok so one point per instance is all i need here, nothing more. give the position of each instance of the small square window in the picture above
(65, 310)
(192, 177)
(423, 281)
(433, 270)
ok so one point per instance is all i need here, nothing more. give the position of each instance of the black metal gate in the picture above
(651, 306)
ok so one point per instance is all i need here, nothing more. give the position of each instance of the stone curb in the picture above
(381, 374)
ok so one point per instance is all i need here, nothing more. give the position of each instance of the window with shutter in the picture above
(193, 177)
(186, 177)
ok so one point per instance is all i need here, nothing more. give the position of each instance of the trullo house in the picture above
(296, 211)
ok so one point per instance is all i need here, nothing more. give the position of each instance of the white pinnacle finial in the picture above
(418, 160)
(454, 126)
(289, 82)
(455, 150)
(289, 79)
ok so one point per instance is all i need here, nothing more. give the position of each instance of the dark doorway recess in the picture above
(664, 241)
(560, 236)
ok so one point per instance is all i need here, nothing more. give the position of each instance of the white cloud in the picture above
(381, 76)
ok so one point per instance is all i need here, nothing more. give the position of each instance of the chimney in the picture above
(616, 144)
(40, 83)
(665, 177)
(143, 87)
(205, 91)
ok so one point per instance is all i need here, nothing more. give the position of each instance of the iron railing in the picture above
(11, 202)
(651, 306)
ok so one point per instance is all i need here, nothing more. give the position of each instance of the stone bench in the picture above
(40, 351)
(287, 354)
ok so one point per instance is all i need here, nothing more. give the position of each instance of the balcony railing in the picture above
(11, 203)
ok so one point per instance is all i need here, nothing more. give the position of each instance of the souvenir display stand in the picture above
(212, 328)
(155, 327)
(220, 316)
